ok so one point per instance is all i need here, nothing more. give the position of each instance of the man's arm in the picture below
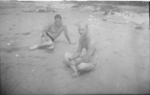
(88, 54)
(66, 34)
(79, 50)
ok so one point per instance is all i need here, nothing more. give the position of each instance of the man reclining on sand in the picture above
(89, 60)
(51, 32)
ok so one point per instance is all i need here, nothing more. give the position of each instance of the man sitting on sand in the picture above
(89, 60)
(51, 32)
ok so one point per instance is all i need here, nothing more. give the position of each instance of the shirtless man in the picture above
(51, 32)
(89, 60)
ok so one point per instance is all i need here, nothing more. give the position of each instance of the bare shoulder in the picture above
(49, 25)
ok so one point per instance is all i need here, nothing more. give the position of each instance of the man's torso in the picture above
(55, 31)
(89, 46)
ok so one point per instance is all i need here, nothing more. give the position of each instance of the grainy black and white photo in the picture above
(75, 47)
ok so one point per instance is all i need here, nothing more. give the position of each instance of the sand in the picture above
(122, 41)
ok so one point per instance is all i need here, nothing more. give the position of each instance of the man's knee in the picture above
(50, 42)
(42, 38)
(67, 56)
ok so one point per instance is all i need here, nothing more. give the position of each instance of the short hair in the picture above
(57, 16)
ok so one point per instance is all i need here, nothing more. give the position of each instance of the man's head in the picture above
(58, 19)
(83, 29)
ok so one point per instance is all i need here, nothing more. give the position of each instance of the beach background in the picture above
(121, 30)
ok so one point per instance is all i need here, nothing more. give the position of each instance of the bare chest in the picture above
(56, 30)
(84, 44)
(87, 44)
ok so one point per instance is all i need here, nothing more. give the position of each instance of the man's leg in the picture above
(67, 56)
(43, 39)
(87, 66)
(52, 46)
(51, 40)
(78, 60)
(72, 64)
(43, 43)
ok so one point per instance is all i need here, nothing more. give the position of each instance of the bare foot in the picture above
(76, 74)
(33, 47)
(51, 47)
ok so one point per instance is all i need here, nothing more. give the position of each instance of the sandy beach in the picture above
(122, 40)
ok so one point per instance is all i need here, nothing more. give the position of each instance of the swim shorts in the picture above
(49, 36)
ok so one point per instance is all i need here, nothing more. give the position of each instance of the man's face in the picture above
(58, 21)
(82, 31)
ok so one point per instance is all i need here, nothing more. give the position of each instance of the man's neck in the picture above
(86, 38)
(58, 26)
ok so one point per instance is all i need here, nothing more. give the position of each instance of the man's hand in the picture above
(86, 59)
(45, 36)
(73, 57)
